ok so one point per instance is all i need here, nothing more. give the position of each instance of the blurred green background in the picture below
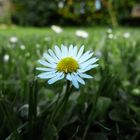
(69, 12)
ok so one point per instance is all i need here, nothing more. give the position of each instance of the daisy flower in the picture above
(13, 39)
(126, 35)
(97, 4)
(67, 62)
(61, 4)
(110, 36)
(22, 47)
(81, 33)
(6, 58)
(109, 30)
(56, 29)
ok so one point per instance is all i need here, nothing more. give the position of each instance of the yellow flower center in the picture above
(67, 65)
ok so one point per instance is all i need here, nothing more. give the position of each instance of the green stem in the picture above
(32, 107)
(62, 103)
(59, 105)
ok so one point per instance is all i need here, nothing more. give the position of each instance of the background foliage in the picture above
(116, 84)
(74, 12)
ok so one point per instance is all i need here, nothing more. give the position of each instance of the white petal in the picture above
(70, 50)
(74, 51)
(44, 69)
(49, 58)
(86, 54)
(74, 81)
(89, 62)
(53, 55)
(83, 75)
(79, 79)
(68, 77)
(58, 52)
(43, 62)
(59, 76)
(88, 68)
(85, 58)
(64, 51)
(47, 75)
(80, 52)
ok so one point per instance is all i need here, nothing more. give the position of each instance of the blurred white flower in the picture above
(61, 4)
(37, 46)
(97, 4)
(136, 91)
(6, 58)
(81, 33)
(13, 39)
(126, 35)
(27, 54)
(109, 31)
(22, 47)
(110, 36)
(24, 110)
(47, 39)
(57, 29)
(67, 62)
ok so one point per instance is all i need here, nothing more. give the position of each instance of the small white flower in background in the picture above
(110, 36)
(126, 35)
(47, 39)
(97, 5)
(13, 39)
(61, 4)
(81, 33)
(24, 110)
(22, 47)
(109, 31)
(67, 62)
(6, 58)
(27, 54)
(37, 46)
(57, 29)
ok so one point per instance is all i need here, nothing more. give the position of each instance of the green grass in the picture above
(110, 101)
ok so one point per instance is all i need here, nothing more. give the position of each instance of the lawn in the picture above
(108, 105)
